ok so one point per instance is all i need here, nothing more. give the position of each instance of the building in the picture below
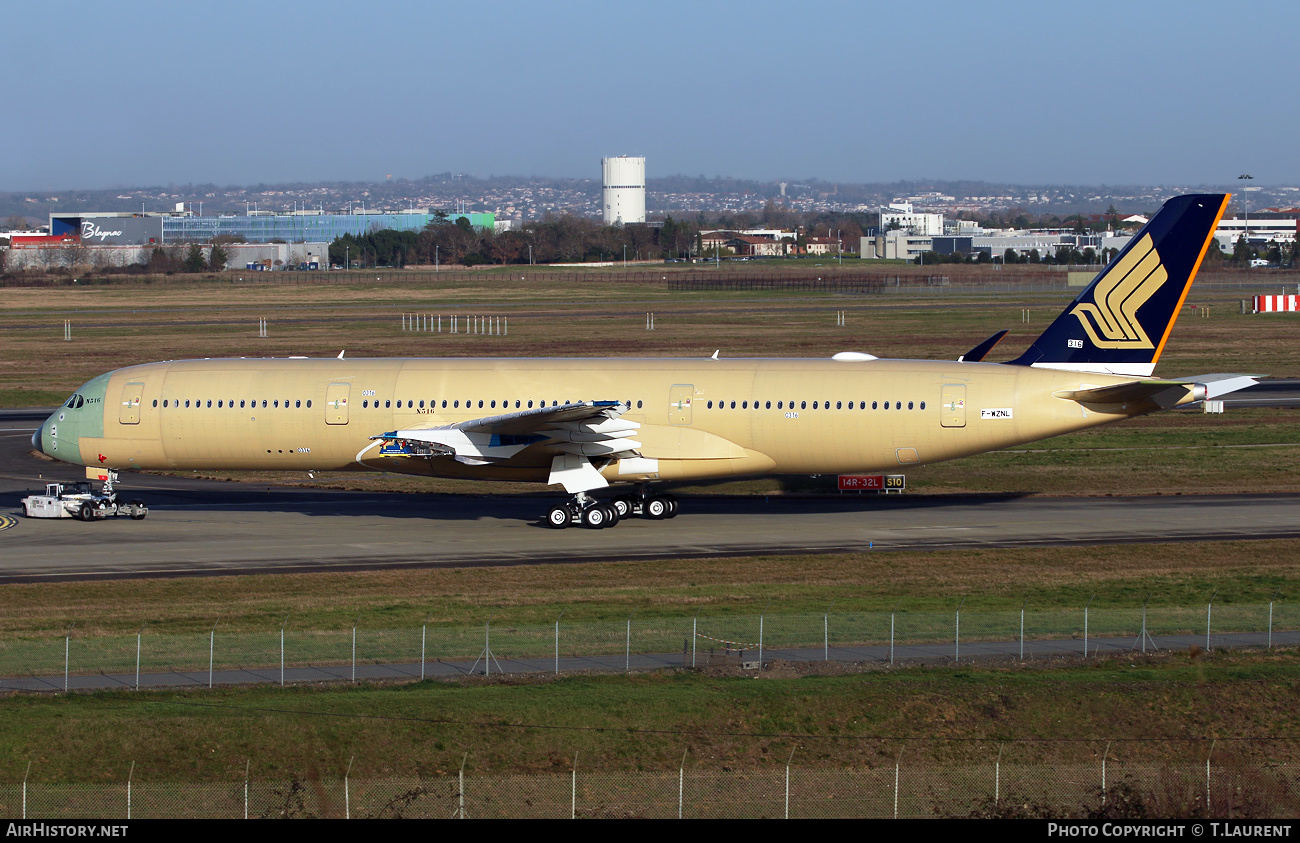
(623, 197)
(138, 229)
(900, 216)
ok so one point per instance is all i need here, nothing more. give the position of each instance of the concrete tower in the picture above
(624, 194)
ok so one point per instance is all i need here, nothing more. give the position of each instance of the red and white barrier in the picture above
(1276, 304)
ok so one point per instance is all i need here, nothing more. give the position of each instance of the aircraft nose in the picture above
(36, 437)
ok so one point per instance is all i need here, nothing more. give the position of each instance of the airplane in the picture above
(585, 424)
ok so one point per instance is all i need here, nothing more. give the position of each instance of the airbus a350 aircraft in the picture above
(587, 423)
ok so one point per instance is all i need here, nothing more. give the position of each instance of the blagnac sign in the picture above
(90, 231)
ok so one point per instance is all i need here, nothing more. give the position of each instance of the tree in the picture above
(194, 261)
(218, 259)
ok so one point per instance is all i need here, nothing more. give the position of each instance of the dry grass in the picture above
(1176, 574)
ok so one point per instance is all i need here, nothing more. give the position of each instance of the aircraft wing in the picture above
(1161, 393)
(584, 428)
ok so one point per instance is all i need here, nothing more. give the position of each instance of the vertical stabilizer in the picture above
(1120, 322)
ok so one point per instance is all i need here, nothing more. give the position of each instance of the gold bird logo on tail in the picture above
(1111, 318)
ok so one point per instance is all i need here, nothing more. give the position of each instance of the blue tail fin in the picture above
(1120, 322)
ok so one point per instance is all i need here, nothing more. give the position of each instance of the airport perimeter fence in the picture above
(1188, 788)
(705, 640)
(852, 278)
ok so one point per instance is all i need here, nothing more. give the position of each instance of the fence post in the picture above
(891, 629)
(131, 775)
(694, 634)
(573, 790)
(138, 633)
(1270, 618)
(896, 763)
(212, 646)
(1207, 776)
(681, 781)
(557, 652)
(347, 790)
(1022, 630)
(627, 654)
(246, 763)
(1085, 624)
(460, 787)
(25, 777)
(1208, 608)
(1103, 774)
(787, 780)
(286, 620)
(997, 777)
(67, 646)
(956, 647)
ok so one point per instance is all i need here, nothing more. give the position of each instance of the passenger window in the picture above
(922, 405)
(898, 405)
(803, 405)
(814, 405)
(710, 405)
(457, 403)
(909, 405)
(298, 403)
(308, 403)
(837, 406)
(494, 403)
(421, 403)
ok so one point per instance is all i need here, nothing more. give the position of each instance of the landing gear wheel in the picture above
(622, 506)
(656, 509)
(558, 517)
(672, 506)
(596, 517)
(86, 513)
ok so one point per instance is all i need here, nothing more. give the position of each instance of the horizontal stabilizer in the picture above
(1162, 394)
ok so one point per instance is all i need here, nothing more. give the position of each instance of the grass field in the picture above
(837, 717)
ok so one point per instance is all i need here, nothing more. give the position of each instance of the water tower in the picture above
(624, 194)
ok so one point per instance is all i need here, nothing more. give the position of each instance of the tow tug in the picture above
(80, 500)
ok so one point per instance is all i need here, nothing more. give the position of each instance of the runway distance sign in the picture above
(872, 482)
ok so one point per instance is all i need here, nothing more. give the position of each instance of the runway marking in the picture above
(7, 521)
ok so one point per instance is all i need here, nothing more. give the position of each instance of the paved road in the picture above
(204, 527)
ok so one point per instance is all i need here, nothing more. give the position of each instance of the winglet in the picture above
(980, 351)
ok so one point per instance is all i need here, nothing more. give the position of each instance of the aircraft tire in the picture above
(595, 517)
(558, 517)
(672, 506)
(622, 506)
(656, 509)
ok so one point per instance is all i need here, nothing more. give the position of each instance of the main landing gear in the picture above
(589, 512)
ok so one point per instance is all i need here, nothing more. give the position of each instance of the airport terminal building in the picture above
(145, 229)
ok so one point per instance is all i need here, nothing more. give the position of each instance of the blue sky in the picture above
(123, 94)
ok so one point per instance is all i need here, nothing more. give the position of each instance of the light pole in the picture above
(839, 247)
(1245, 200)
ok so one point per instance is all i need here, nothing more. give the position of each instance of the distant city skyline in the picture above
(153, 93)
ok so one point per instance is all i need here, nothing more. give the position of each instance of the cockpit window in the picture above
(75, 402)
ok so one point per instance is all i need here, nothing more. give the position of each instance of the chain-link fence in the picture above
(638, 643)
(1110, 787)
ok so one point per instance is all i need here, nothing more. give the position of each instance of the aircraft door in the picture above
(129, 413)
(952, 405)
(336, 403)
(679, 403)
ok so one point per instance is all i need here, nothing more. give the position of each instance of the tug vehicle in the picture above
(80, 500)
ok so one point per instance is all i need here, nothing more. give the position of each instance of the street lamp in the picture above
(1245, 201)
